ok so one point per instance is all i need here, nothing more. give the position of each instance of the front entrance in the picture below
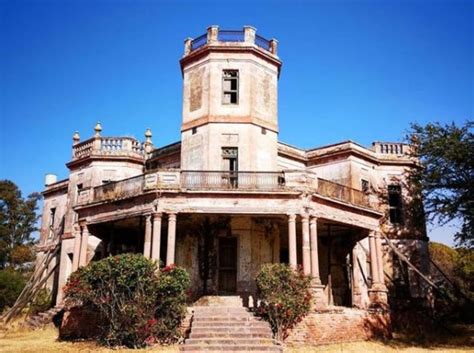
(227, 265)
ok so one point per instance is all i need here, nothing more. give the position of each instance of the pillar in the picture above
(378, 247)
(156, 241)
(84, 243)
(292, 240)
(305, 242)
(170, 251)
(313, 227)
(373, 259)
(77, 250)
(378, 291)
(147, 242)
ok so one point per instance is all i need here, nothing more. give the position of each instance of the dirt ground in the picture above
(44, 341)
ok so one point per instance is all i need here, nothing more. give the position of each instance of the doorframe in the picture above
(237, 260)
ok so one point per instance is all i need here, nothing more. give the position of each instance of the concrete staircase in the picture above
(224, 325)
(42, 319)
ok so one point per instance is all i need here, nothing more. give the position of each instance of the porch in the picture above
(224, 252)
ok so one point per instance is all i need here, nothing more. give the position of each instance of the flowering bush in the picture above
(138, 305)
(285, 297)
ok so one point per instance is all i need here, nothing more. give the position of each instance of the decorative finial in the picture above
(148, 143)
(98, 129)
(76, 138)
(148, 134)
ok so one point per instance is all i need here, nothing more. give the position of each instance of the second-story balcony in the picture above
(225, 181)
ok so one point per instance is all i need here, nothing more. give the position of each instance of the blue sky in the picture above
(359, 70)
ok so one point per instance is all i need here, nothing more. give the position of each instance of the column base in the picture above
(378, 295)
(319, 299)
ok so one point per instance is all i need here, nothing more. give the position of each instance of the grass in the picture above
(45, 341)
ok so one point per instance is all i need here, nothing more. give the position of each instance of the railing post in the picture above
(187, 45)
(212, 34)
(274, 46)
(249, 34)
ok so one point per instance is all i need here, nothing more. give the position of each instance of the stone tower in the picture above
(230, 96)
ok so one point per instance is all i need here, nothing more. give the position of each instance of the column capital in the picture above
(304, 217)
(371, 233)
(291, 217)
(313, 219)
(157, 215)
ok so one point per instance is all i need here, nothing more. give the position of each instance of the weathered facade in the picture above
(230, 197)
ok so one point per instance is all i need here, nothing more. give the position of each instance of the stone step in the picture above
(232, 329)
(234, 348)
(230, 341)
(247, 318)
(230, 335)
(217, 301)
(228, 323)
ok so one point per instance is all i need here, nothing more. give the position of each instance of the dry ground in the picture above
(44, 341)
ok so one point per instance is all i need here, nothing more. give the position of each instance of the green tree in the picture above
(446, 176)
(18, 219)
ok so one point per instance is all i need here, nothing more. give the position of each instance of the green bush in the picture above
(41, 303)
(11, 285)
(285, 297)
(138, 304)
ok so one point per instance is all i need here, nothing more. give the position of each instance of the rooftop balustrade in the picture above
(391, 148)
(211, 181)
(110, 146)
(216, 36)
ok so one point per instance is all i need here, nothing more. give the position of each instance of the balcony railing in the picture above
(217, 180)
(176, 180)
(108, 146)
(216, 37)
(231, 36)
(343, 193)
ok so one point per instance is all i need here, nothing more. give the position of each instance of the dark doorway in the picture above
(227, 265)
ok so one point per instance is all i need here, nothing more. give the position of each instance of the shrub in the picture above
(11, 285)
(41, 303)
(285, 297)
(138, 304)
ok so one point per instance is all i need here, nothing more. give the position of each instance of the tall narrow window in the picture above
(230, 159)
(395, 204)
(364, 185)
(230, 87)
(52, 216)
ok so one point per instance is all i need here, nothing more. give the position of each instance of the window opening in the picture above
(230, 87)
(395, 203)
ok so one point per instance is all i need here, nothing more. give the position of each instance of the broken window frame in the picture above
(52, 220)
(394, 199)
(230, 76)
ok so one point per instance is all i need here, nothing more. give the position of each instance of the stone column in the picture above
(373, 259)
(292, 240)
(170, 252)
(306, 248)
(378, 247)
(77, 250)
(314, 250)
(378, 291)
(84, 244)
(156, 242)
(147, 242)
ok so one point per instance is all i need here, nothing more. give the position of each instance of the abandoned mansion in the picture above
(229, 196)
